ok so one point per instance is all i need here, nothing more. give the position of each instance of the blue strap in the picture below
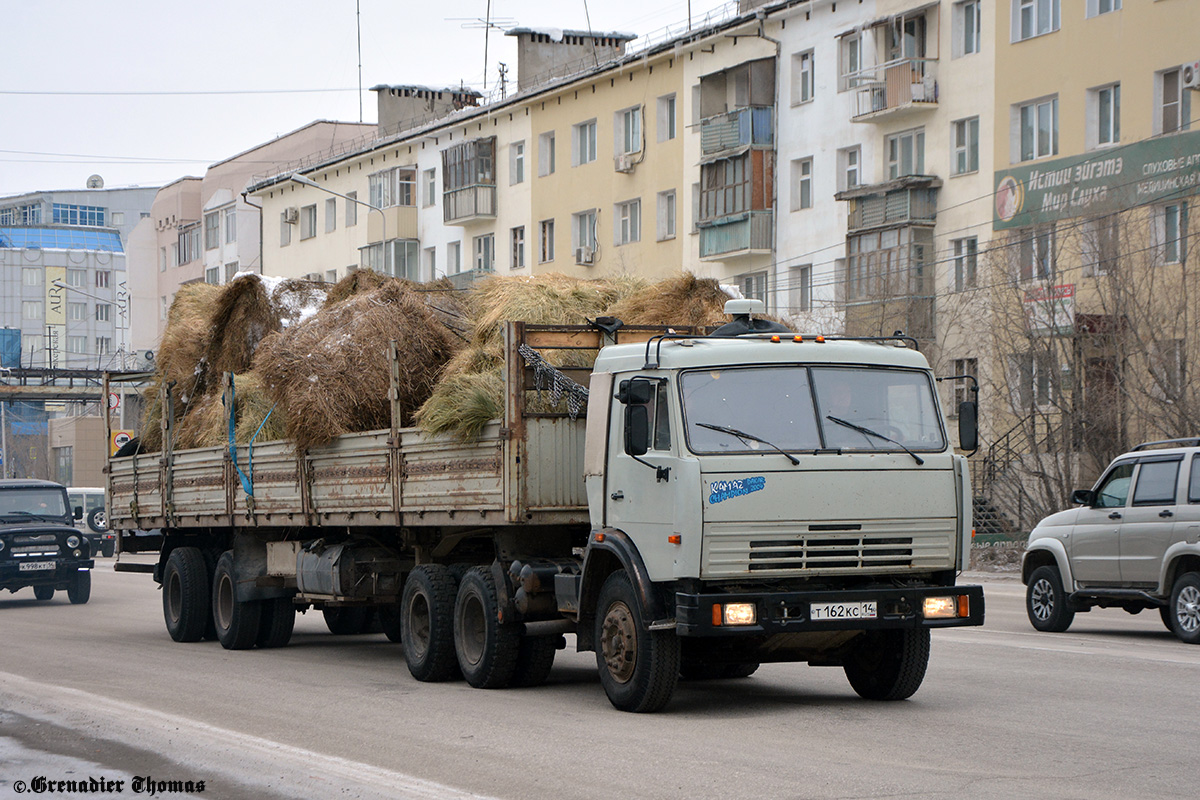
(247, 481)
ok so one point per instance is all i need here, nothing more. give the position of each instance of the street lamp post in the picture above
(304, 180)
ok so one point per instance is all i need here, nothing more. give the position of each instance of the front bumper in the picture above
(790, 612)
(13, 577)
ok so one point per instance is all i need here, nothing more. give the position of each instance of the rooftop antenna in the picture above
(487, 24)
(358, 25)
(503, 79)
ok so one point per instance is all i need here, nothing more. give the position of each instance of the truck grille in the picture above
(732, 549)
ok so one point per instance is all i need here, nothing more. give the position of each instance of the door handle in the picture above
(1115, 515)
(617, 495)
(1166, 512)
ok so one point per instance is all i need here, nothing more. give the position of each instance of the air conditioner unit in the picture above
(623, 162)
(291, 215)
(1190, 74)
(584, 255)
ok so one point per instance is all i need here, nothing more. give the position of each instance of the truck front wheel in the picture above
(639, 668)
(486, 647)
(185, 588)
(889, 665)
(427, 623)
(237, 621)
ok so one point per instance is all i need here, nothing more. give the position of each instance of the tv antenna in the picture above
(487, 23)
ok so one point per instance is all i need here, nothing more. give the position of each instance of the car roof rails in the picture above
(1191, 442)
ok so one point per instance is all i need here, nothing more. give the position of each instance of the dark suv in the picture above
(39, 547)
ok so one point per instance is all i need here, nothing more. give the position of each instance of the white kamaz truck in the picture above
(710, 503)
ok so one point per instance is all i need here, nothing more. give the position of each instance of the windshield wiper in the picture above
(743, 435)
(30, 514)
(870, 432)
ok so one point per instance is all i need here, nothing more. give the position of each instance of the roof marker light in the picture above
(820, 340)
(797, 338)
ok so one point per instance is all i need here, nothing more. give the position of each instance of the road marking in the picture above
(293, 770)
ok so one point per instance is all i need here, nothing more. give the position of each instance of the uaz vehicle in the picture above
(39, 547)
(87, 504)
(1133, 543)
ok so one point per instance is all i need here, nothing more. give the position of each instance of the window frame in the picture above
(545, 241)
(964, 146)
(802, 183)
(1031, 112)
(892, 148)
(627, 227)
(584, 141)
(803, 77)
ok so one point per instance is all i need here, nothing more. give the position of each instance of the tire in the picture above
(278, 621)
(107, 548)
(79, 590)
(97, 522)
(535, 659)
(389, 621)
(639, 668)
(1185, 608)
(43, 592)
(237, 622)
(1046, 603)
(347, 620)
(427, 623)
(187, 607)
(486, 648)
(889, 665)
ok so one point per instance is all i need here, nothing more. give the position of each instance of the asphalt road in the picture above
(100, 691)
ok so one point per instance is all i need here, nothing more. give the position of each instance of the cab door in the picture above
(1095, 539)
(1149, 525)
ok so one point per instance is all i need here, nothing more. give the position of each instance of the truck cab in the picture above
(39, 547)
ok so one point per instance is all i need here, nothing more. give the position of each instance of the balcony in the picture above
(737, 129)
(463, 280)
(736, 236)
(468, 204)
(911, 200)
(894, 89)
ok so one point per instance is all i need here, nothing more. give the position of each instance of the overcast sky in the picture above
(144, 92)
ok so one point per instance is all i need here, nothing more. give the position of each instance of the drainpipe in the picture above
(761, 16)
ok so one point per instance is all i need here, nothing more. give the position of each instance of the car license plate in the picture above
(31, 566)
(827, 611)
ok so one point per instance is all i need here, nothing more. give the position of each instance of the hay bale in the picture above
(330, 374)
(463, 403)
(204, 423)
(683, 299)
(551, 299)
(357, 282)
(242, 317)
(295, 300)
(181, 351)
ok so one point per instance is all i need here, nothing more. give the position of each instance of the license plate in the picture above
(32, 566)
(825, 611)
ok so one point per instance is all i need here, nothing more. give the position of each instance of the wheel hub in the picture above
(1187, 609)
(1041, 600)
(618, 642)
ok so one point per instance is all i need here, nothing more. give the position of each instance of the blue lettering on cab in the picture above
(719, 491)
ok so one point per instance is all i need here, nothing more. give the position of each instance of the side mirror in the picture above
(1083, 497)
(968, 425)
(78, 512)
(635, 391)
(637, 430)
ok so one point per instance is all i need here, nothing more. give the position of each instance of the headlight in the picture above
(947, 607)
(734, 614)
(72, 541)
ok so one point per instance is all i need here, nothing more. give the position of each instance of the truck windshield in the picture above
(790, 406)
(23, 502)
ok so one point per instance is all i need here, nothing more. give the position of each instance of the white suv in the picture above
(1133, 543)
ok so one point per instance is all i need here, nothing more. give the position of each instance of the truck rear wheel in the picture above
(486, 647)
(43, 592)
(346, 620)
(427, 623)
(79, 590)
(535, 659)
(278, 621)
(889, 665)
(639, 668)
(237, 621)
(389, 621)
(185, 588)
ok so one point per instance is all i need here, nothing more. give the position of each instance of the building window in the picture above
(103, 345)
(212, 231)
(454, 258)
(31, 277)
(92, 216)
(351, 209)
(963, 389)
(1168, 367)
(103, 312)
(725, 188)
(1101, 245)
(164, 305)
(77, 345)
(1033, 18)
(518, 247)
(906, 153)
(392, 187)
(546, 154)
(666, 118)
(802, 188)
(1173, 102)
(966, 256)
(230, 225)
(31, 309)
(308, 222)
(966, 146)
(1104, 114)
(399, 258)
(1033, 375)
(212, 275)
(803, 85)
(1173, 232)
(1097, 7)
(103, 275)
(545, 241)
(849, 167)
(516, 163)
(1035, 253)
(629, 222)
(77, 278)
(189, 244)
(850, 61)
(583, 231)
(77, 312)
(888, 264)
(64, 465)
(666, 215)
(330, 214)
(1038, 123)
(430, 187)
(485, 253)
(430, 265)
(629, 126)
(21, 215)
(753, 285)
(231, 271)
(966, 28)
(800, 290)
(162, 259)
(583, 143)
